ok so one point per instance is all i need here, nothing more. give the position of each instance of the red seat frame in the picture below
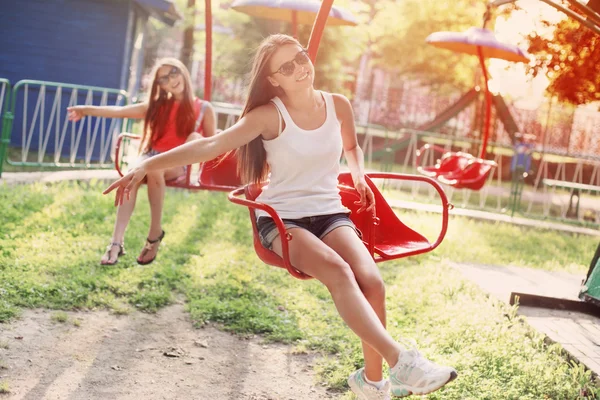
(219, 174)
(473, 176)
(384, 234)
(457, 169)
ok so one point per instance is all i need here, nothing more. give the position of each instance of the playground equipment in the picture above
(589, 294)
(462, 170)
(590, 290)
(385, 236)
(385, 151)
(292, 11)
(219, 174)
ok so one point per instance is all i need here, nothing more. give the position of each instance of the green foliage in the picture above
(60, 317)
(4, 387)
(397, 31)
(569, 57)
(244, 308)
(496, 243)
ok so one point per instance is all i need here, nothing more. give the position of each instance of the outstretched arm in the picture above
(353, 153)
(245, 130)
(133, 111)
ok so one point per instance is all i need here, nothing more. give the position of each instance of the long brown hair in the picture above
(160, 103)
(252, 158)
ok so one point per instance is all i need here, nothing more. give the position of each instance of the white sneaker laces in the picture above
(418, 361)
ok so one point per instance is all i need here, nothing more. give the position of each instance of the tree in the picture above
(570, 58)
(187, 50)
(398, 33)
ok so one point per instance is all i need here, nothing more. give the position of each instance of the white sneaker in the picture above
(414, 374)
(364, 390)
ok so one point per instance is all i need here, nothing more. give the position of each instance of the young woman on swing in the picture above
(172, 116)
(297, 134)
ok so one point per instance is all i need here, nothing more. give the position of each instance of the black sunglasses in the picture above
(174, 73)
(288, 68)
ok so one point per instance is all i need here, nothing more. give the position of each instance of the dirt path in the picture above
(142, 356)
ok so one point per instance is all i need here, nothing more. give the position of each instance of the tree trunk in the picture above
(187, 50)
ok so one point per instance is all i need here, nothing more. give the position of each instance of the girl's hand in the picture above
(76, 113)
(126, 184)
(367, 199)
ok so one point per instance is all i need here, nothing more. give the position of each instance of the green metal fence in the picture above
(40, 108)
(578, 177)
(5, 91)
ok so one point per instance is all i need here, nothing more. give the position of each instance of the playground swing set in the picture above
(589, 293)
(461, 169)
(384, 234)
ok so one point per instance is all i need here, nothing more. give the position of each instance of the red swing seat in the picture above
(219, 174)
(384, 235)
(457, 169)
(449, 163)
(473, 176)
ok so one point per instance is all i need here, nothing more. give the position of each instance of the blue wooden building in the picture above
(96, 43)
(87, 42)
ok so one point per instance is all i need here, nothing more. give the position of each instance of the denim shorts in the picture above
(319, 226)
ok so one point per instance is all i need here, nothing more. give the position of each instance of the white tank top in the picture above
(304, 167)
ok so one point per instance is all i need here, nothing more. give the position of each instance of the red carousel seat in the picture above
(384, 235)
(457, 169)
(219, 174)
(473, 176)
(447, 164)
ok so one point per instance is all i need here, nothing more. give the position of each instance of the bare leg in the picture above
(124, 212)
(346, 243)
(156, 196)
(312, 256)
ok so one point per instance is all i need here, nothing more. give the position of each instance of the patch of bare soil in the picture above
(144, 356)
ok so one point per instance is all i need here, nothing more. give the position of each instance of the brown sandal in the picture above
(109, 249)
(149, 247)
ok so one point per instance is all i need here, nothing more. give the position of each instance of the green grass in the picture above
(490, 203)
(52, 238)
(14, 154)
(60, 317)
(497, 243)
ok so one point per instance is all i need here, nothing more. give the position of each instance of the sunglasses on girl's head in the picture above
(288, 68)
(174, 73)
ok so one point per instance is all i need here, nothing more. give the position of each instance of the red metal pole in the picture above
(295, 24)
(488, 105)
(208, 51)
(318, 27)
